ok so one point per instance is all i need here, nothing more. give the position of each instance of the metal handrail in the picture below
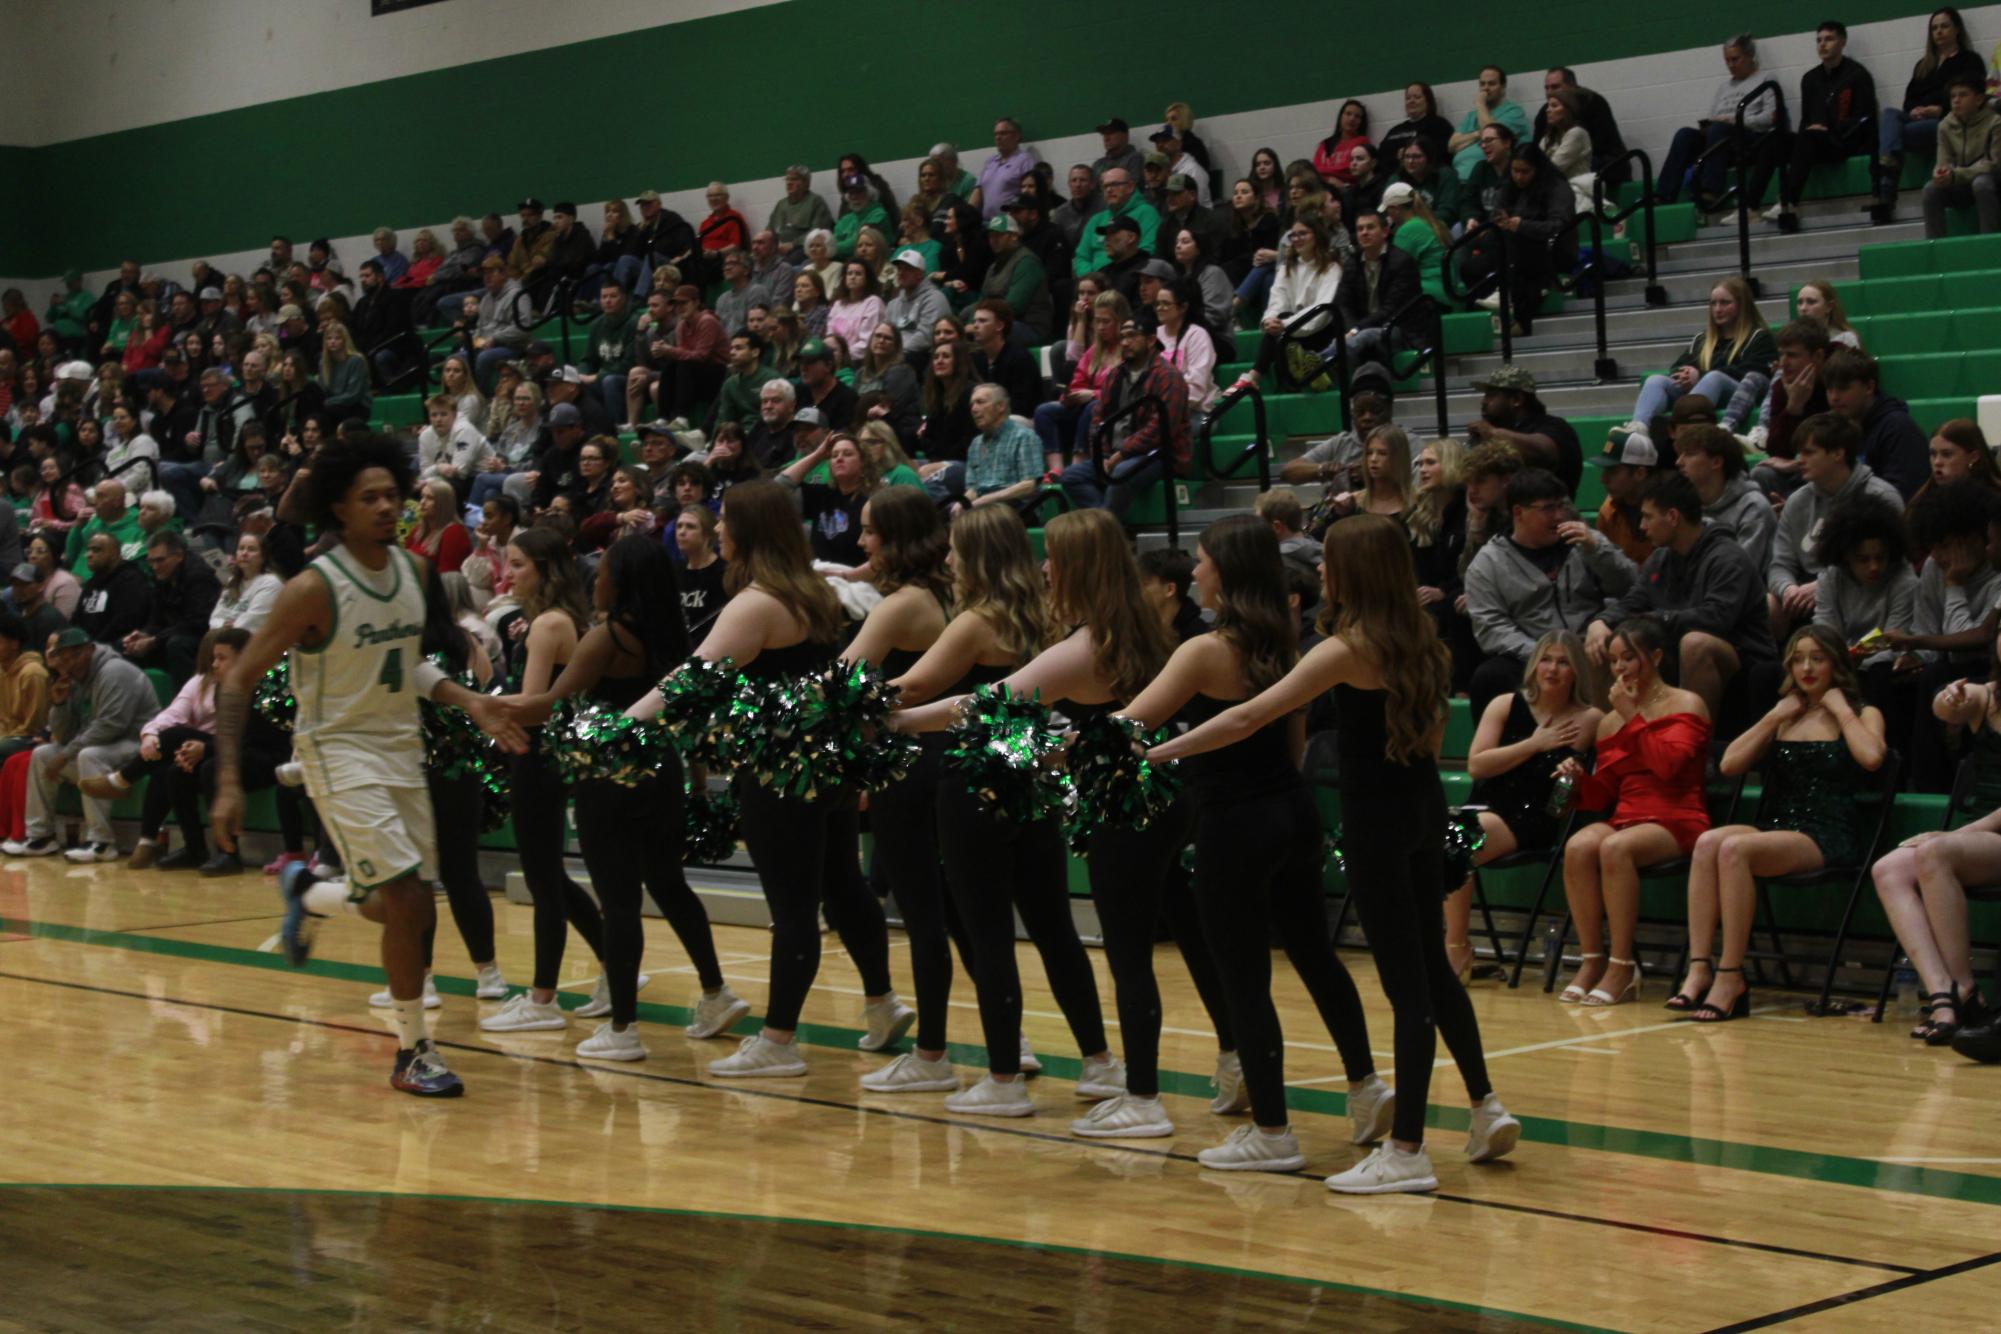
(1101, 431)
(1434, 353)
(1260, 446)
(1606, 367)
(1449, 274)
(1292, 334)
(1741, 155)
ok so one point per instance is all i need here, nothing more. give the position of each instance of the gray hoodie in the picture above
(1946, 609)
(1743, 511)
(1853, 609)
(1513, 603)
(1793, 560)
(109, 705)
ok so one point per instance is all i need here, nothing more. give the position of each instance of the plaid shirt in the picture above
(1148, 428)
(1011, 453)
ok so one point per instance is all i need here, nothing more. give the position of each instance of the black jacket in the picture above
(1211, 228)
(1397, 285)
(1844, 101)
(381, 320)
(667, 237)
(182, 604)
(1935, 89)
(1715, 588)
(1015, 371)
(114, 605)
(1894, 447)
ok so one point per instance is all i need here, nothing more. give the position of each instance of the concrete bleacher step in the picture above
(1718, 245)
(1637, 324)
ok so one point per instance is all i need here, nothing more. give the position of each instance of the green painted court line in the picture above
(1663, 1146)
(1086, 1252)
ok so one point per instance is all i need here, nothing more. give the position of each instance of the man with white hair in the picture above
(960, 182)
(799, 212)
(110, 513)
(1003, 463)
(773, 441)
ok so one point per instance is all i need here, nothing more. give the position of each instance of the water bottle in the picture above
(1560, 793)
(1906, 983)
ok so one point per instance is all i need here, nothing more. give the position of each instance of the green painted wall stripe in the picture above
(833, 1224)
(586, 121)
(1664, 1146)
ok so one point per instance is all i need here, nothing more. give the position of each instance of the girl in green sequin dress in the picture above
(1812, 749)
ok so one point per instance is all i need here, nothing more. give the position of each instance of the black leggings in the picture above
(1257, 876)
(455, 812)
(1129, 870)
(995, 868)
(633, 836)
(560, 903)
(808, 854)
(172, 788)
(904, 819)
(1396, 871)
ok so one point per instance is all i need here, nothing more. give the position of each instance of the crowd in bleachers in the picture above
(1775, 522)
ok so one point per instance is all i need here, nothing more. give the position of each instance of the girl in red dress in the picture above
(1651, 751)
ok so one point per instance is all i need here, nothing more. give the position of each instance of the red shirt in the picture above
(449, 550)
(725, 228)
(1650, 772)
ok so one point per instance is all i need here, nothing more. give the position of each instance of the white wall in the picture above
(244, 52)
(1652, 96)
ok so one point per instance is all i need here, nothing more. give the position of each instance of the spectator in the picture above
(964, 254)
(1310, 276)
(801, 211)
(959, 183)
(1017, 278)
(1959, 453)
(1185, 344)
(733, 306)
(344, 375)
(770, 270)
(1416, 231)
(1892, 444)
(1421, 121)
(1336, 462)
(1180, 118)
(1594, 116)
(251, 588)
(1093, 353)
(696, 358)
(872, 249)
(1564, 140)
(1953, 619)
(1070, 217)
(1434, 182)
(1052, 250)
(948, 397)
(1385, 486)
(859, 208)
(1652, 748)
(565, 384)
(528, 258)
(1120, 202)
(109, 514)
(738, 399)
(1535, 208)
(116, 597)
(1001, 175)
(28, 591)
(771, 440)
(1796, 394)
(1330, 155)
(1209, 284)
(24, 685)
(1836, 108)
(425, 259)
(1480, 193)
(1489, 104)
(1146, 443)
(1125, 263)
(59, 585)
(497, 333)
(450, 446)
(1830, 474)
(1380, 301)
(664, 238)
(1629, 459)
(1436, 521)
(610, 350)
(100, 701)
(1968, 169)
(997, 356)
(1865, 590)
(183, 597)
(1167, 142)
(1949, 62)
(916, 304)
(1701, 587)
(1736, 347)
(913, 231)
(833, 510)
(885, 451)
(821, 388)
(809, 302)
(619, 502)
(883, 373)
(858, 308)
(1119, 154)
(1510, 412)
(1547, 571)
(1712, 459)
(1003, 463)
(724, 227)
(1740, 58)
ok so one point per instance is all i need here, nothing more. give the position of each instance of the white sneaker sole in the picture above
(762, 1072)
(1500, 1143)
(532, 1026)
(622, 1054)
(993, 1109)
(1086, 1130)
(1415, 1186)
(736, 1011)
(382, 1000)
(1292, 1164)
(897, 1028)
(1099, 1092)
(491, 993)
(921, 1086)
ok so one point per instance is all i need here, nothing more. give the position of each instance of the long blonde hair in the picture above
(1094, 581)
(1372, 604)
(559, 587)
(1588, 689)
(1748, 324)
(994, 577)
(1398, 444)
(1426, 514)
(771, 552)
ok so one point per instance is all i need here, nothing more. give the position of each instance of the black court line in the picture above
(1916, 1280)
(1909, 1272)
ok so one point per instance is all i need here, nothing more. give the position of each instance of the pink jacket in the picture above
(193, 707)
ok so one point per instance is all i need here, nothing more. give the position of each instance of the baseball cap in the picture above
(1178, 182)
(1509, 378)
(649, 196)
(535, 347)
(288, 311)
(566, 375)
(75, 370)
(1158, 268)
(854, 182)
(808, 416)
(1156, 160)
(1145, 320)
(1001, 222)
(564, 206)
(1693, 410)
(1114, 126)
(658, 426)
(74, 636)
(1399, 192)
(814, 350)
(530, 203)
(210, 294)
(1164, 133)
(27, 572)
(565, 414)
(1626, 446)
(1120, 224)
(914, 258)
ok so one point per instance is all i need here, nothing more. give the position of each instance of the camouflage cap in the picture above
(1512, 378)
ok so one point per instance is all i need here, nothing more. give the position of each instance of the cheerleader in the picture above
(903, 538)
(1000, 622)
(1258, 846)
(783, 619)
(632, 834)
(555, 614)
(1390, 676)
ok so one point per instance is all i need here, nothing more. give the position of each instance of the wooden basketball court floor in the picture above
(195, 1136)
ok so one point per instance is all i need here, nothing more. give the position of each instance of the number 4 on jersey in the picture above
(392, 671)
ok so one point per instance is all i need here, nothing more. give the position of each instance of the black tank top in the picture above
(1079, 714)
(897, 661)
(1257, 766)
(1368, 776)
(793, 660)
(980, 674)
(621, 692)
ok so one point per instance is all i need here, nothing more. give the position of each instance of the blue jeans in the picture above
(1690, 142)
(1255, 289)
(1065, 432)
(1896, 136)
(488, 363)
(611, 388)
(1081, 483)
(485, 486)
(182, 481)
(1659, 393)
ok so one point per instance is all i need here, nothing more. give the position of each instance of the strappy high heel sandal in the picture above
(1598, 998)
(1968, 1011)
(1706, 1013)
(1931, 1002)
(1681, 1001)
(1574, 994)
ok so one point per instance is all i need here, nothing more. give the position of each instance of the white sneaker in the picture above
(290, 774)
(382, 1000)
(1231, 1095)
(610, 1044)
(713, 1015)
(1102, 1079)
(1491, 301)
(911, 1073)
(30, 847)
(1387, 1170)
(1773, 213)
(93, 852)
(887, 1021)
(757, 1055)
(1029, 1065)
(1755, 438)
(990, 1097)
(1493, 1134)
(524, 1015)
(1372, 1105)
(1249, 1149)
(491, 985)
(1124, 1117)
(599, 1005)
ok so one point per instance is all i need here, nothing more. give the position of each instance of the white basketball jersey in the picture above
(357, 723)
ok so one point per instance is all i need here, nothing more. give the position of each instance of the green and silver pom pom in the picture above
(698, 698)
(1116, 786)
(273, 699)
(591, 742)
(712, 819)
(1008, 753)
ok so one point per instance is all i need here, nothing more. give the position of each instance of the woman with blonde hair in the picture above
(344, 374)
(455, 381)
(783, 334)
(782, 620)
(425, 257)
(439, 536)
(1064, 424)
(1734, 349)
(1390, 677)
(885, 453)
(1436, 521)
(872, 249)
(1817, 300)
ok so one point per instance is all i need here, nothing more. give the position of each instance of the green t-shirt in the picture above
(131, 540)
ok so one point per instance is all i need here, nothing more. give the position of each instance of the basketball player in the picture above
(351, 621)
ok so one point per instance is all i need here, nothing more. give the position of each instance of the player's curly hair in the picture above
(344, 458)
